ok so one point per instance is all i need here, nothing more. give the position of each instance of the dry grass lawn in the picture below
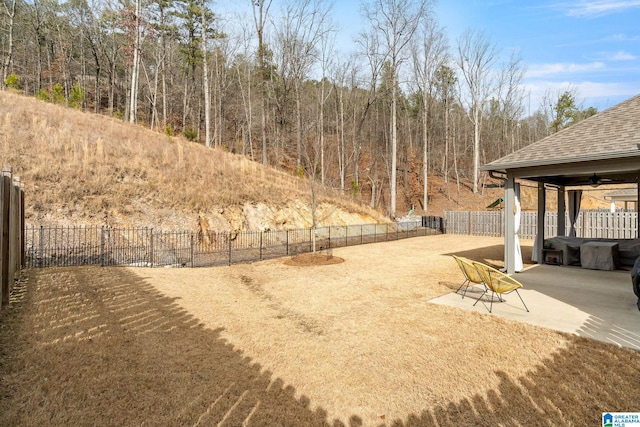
(270, 344)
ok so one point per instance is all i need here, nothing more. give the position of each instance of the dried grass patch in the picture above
(355, 343)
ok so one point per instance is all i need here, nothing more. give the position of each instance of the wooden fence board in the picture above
(590, 223)
(11, 226)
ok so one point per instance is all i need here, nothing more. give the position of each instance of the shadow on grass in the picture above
(573, 388)
(100, 346)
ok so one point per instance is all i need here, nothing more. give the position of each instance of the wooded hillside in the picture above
(85, 169)
(402, 107)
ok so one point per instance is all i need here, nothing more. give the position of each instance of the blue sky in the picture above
(592, 46)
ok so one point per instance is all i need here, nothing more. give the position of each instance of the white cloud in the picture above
(590, 94)
(621, 37)
(540, 70)
(622, 56)
(599, 7)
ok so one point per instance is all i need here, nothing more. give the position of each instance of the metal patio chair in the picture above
(471, 276)
(498, 283)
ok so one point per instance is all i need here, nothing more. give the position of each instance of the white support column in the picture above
(542, 203)
(562, 213)
(509, 222)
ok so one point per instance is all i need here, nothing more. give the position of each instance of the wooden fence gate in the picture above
(12, 224)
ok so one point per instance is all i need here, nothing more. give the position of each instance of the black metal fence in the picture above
(74, 246)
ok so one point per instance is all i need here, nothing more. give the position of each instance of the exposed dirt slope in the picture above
(81, 168)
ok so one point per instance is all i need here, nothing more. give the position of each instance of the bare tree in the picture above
(396, 21)
(10, 12)
(445, 93)
(339, 75)
(368, 43)
(429, 54)
(511, 96)
(476, 57)
(135, 65)
(244, 76)
(304, 25)
(260, 14)
(326, 59)
(205, 73)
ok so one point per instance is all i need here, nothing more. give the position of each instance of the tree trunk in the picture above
(455, 163)
(425, 153)
(394, 151)
(135, 69)
(260, 12)
(321, 126)
(205, 78)
(298, 125)
(10, 11)
(476, 147)
(340, 138)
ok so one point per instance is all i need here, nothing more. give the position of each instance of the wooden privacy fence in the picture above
(590, 223)
(74, 246)
(12, 224)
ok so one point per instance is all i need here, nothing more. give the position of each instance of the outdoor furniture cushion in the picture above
(628, 249)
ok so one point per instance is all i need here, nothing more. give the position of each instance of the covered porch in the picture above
(604, 148)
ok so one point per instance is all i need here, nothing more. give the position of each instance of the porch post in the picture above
(509, 222)
(542, 203)
(562, 209)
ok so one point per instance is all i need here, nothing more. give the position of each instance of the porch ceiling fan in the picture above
(595, 180)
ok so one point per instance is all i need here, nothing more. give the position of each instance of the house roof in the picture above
(611, 135)
(623, 195)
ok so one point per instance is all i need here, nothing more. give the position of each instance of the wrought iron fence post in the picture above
(191, 251)
(151, 247)
(329, 237)
(346, 236)
(102, 246)
(287, 242)
(229, 239)
(260, 249)
(41, 246)
(361, 232)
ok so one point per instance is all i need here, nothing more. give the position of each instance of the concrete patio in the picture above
(590, 303)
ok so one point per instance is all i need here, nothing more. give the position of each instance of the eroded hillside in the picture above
(81, 168)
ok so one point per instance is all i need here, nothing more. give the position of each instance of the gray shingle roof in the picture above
(622, 193)
(611, 134)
